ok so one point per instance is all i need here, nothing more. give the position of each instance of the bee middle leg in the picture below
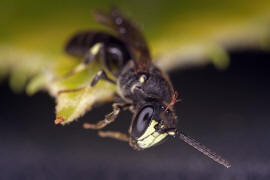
(109, 118)
(101, 75)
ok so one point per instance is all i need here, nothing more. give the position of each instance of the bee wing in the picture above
(130, 35)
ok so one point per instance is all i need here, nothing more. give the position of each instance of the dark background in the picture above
(226, 110)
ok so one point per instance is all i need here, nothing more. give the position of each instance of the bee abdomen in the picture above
(114, 51)
(81, 42)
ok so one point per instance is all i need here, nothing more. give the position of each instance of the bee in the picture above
(142, 87)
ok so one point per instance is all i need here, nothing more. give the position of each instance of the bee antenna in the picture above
(203, 149)
(173, 101)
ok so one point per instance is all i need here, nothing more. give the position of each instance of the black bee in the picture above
(141, 86)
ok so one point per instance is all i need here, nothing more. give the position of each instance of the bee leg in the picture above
(72, 90)
(101, 75)
(97, 49)
(114, 134)
(109, 118)
(128, 106)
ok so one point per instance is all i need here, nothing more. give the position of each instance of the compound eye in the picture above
(142, 121)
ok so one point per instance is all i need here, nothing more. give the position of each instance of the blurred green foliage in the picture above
(180, 33)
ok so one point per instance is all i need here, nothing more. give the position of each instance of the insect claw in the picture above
(87, 126)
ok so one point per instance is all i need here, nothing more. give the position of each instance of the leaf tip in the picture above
(59, 120)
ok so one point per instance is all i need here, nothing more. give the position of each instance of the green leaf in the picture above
(180, 34)
(45, 74)
(72, 105)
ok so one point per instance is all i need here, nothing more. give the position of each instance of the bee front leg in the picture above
(101, 75)
(109, 118)
(114, 134)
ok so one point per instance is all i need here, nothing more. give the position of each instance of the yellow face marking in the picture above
(150, 137)
(95, 49)
(159, 138)
(149, 130)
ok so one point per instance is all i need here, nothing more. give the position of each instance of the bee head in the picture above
(154, 122)
(151, 125)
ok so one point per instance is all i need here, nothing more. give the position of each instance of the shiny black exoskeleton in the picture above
(113, 50)
(141, 86)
